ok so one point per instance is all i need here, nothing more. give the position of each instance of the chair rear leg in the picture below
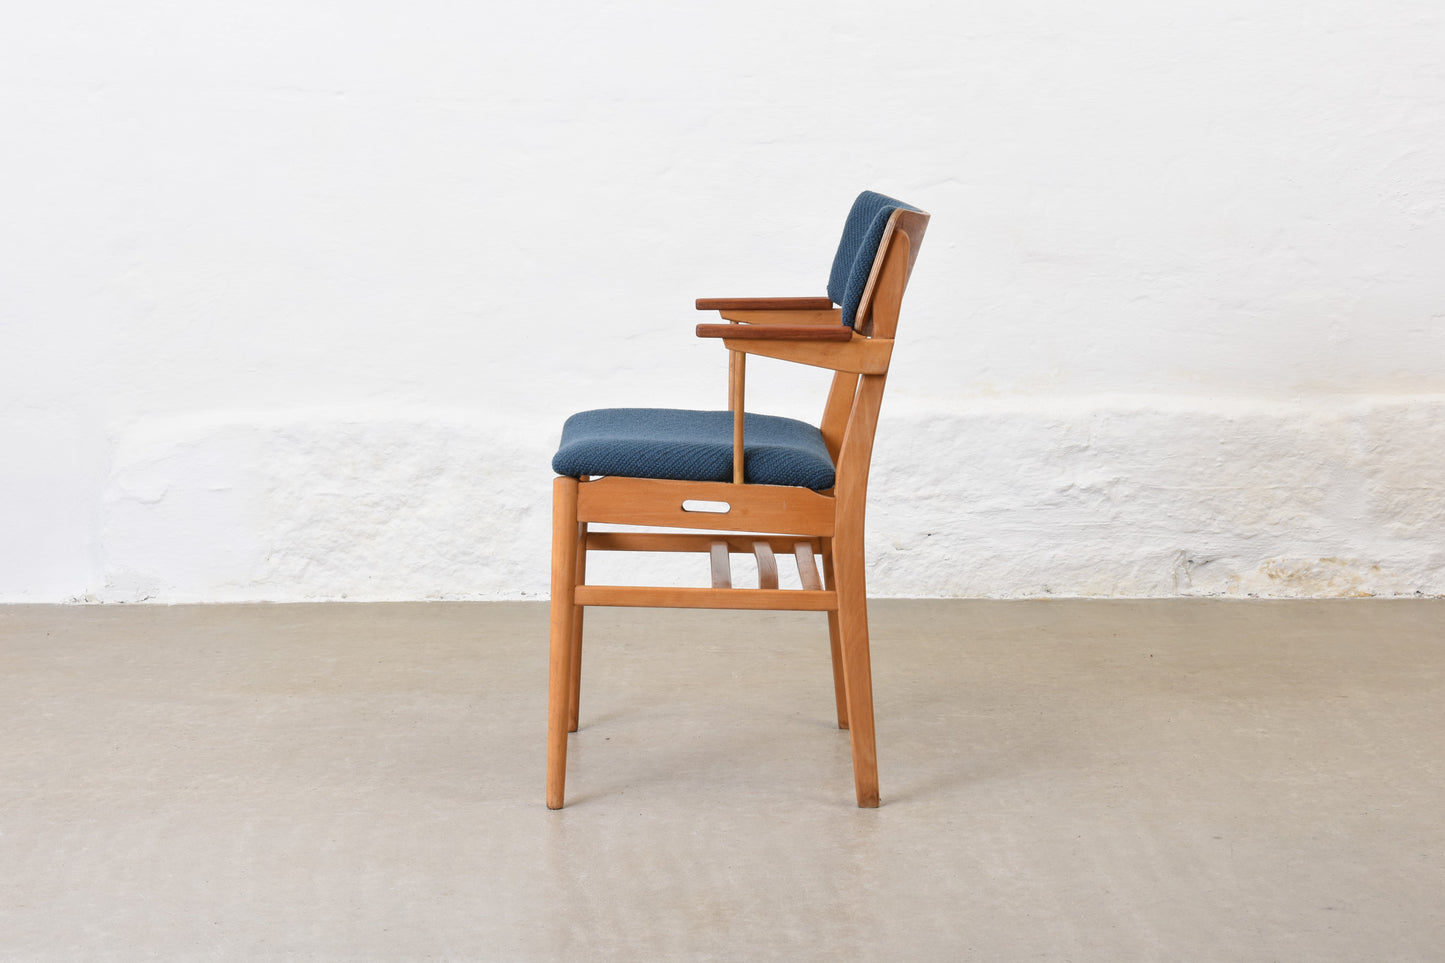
(840, 691)
(577, 611)
(857, 670)
(559, 684)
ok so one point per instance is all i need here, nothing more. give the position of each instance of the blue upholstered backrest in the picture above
(854, 261)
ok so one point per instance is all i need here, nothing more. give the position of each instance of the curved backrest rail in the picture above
(907, 228)
(878, 318)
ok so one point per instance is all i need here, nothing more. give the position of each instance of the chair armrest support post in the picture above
(739, 383)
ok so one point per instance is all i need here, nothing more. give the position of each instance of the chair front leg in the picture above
(564, 581)
(840, 690)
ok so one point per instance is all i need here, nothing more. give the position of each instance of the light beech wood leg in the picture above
(840, 691)
(559, 683)
(575, 702)
(857, 672)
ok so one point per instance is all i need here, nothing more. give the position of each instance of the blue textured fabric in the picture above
(862, 233)
(692, 446)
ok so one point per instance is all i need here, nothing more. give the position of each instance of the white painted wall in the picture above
(296, 296)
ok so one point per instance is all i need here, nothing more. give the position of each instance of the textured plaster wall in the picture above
(294, 298)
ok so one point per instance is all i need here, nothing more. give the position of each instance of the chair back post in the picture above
(851, 414)
(883, 296)
(835, 413)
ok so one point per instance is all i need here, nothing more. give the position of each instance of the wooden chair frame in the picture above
(764, 520)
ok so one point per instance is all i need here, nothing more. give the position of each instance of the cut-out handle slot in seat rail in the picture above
(707, 508)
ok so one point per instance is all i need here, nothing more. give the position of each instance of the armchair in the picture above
(785, 486)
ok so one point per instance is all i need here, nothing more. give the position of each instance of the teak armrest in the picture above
(775, 332)
(764, 304)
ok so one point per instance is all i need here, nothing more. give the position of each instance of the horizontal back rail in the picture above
(861, 355)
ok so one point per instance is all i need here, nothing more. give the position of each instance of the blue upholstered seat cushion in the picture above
(692, 446)
(862, 232)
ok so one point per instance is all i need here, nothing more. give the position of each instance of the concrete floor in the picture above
(1065, 780)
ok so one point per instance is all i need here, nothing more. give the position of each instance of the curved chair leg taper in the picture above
(560, 673)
